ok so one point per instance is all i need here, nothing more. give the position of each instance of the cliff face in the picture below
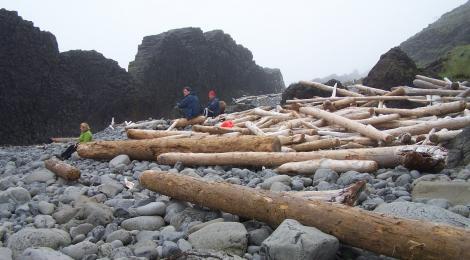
(167, 62)
(440, 37)
(45, 93)
(393, 69)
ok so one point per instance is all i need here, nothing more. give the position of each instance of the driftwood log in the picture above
(427, 157)
(317, 145)
(309, 167)
(149, 149)
(62, 169)
(150, 134)
(392, 236)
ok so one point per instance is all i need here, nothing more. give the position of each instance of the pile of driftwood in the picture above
(354, 129)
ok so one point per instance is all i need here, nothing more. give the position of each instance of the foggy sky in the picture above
(305, 39)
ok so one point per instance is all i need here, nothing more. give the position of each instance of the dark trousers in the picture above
(70, 150)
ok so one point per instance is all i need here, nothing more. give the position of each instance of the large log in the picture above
(183, 122)
(149, 149)
(309, 167)
(62, 169)
(216, 130)
(396, 92)
(425, 127)
(379, 119)
(317, 145)
(440, 92)
(340, 91)
(370, 91)
(64, 139)
(148, 124)
(150, 134)
(434, 110)
(386, 157)
(392, 236)
(366, 130)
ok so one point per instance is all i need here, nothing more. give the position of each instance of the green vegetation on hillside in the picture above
(440, 37)
(456, 65)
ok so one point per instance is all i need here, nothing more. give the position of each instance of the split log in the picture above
(150, 148)
(340, 91)
(379, 119)
(317, 145)
(150, 134)
(309, 167)
(425, 127)
(62, 169)
(149, 124)
(392, 236)
(368, 130)
(216, 130)
(434, 110)
(386, 157)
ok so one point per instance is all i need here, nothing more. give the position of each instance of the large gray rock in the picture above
(351, 177)
(327, 175)
(81, 249)
(457, 193)
(421, 211)
(39, 175)
(120, 159)
(151, 209)
(93, 212)
(230, 237)
(122, 235)
(5, 253)
(18, 195)
(44, 221)
(41, 237)
(45, 207)
(292, 240)
(284, 179)
(43, 253)
(143, 223)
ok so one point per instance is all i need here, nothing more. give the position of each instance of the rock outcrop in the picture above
(45, 93)
(393, 69)
(167, 62)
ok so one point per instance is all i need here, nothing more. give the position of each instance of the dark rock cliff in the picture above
(167, 62)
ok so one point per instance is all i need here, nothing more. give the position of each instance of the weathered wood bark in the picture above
(150, 134)
(386, 157)
(424, 84)
(339, 104)
(62, 169)
(293, 139)
(379, 119)
(340, 91)
(261, 112)
(215, 130)
(370, 91)
(425, 127)
(368, 130)
(317, 145)
(396, 237)
(309, 167)
(183, 122)
(434, 110)
(149, 149)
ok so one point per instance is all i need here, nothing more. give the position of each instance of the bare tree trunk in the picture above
(150, 134)
(379, 119)
(396, 92)
(396, 237)
(424, 128)
(434, 110)
(215, 130)
(387, 157)
(368, 130)
(149, 149)
(62, 169)
(309, 167)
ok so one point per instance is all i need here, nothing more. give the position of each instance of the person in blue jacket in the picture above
(213, 106)
(189, 104)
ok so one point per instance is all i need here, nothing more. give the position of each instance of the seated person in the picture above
(85, 136)
(189, 104)
(213, 107)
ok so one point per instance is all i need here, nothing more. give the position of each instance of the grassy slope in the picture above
(440, 37)
(457, 64)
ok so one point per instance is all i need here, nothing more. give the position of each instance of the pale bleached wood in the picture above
(396, 237)
(339, 166)
(379, 119)
(368, 130)
(150, 134)
(62, 169)
(340, 91)
(317, 145)
(254, 129)
(423, 128)
(370, 91)
(437, 110)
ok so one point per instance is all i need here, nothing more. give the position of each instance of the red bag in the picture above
(227, 124)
